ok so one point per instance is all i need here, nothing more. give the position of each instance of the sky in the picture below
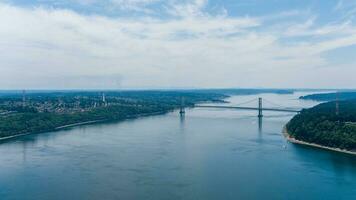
(150, 44)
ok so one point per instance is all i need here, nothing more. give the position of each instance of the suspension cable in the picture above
(278, 105)
(249, 101)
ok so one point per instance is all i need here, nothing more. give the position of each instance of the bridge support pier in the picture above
(260, 107)
(182, 106)
(260, 123)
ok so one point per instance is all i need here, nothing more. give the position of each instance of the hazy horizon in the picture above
(174, 88)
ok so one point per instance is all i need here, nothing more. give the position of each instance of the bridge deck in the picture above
(250, 108)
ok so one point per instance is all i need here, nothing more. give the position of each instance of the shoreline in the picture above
(300, 142)
(78, 124)
(2, 139)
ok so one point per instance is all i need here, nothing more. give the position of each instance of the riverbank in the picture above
(2, 139)
(13, 136)
(295, 141)
(105, 120)
(78, 124)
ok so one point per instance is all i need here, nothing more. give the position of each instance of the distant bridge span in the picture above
(250, 108)
(259, 108)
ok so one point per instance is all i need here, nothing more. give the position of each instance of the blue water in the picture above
(208, 154)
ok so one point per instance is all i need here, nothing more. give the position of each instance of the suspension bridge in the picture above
(260, 108)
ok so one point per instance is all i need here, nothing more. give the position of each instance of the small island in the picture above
(326, 126)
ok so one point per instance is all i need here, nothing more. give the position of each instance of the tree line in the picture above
(322, 125)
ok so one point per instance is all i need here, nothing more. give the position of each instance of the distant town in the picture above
(55, 104)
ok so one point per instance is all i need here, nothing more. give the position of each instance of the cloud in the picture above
(51, 48)
(347, 8)
(190, 9)
(134, 5)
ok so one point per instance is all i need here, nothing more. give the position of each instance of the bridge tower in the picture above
(182, 106)
(260, 107)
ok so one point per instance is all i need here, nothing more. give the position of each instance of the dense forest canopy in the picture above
(322, 125)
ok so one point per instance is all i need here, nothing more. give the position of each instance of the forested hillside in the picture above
(321, 125)
(42, 112)
(330, 96)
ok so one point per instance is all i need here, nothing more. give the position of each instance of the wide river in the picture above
(208, 154)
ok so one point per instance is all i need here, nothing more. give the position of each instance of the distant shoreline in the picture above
(2, 139)
(300, 142)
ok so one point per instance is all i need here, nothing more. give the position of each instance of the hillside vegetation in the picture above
(42, 112)
(321, 125)
(330, 96)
